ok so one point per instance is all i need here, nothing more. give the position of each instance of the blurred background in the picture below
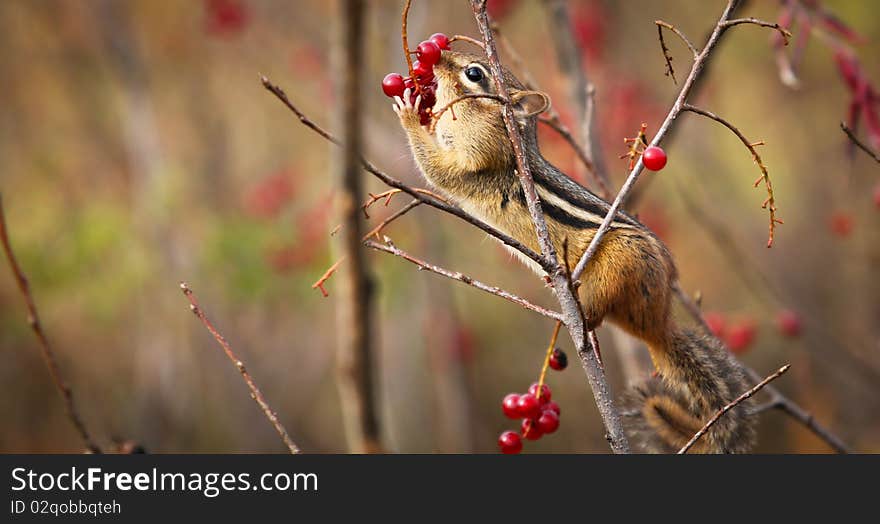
(139, 149)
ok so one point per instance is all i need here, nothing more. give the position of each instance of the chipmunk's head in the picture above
(460, 74)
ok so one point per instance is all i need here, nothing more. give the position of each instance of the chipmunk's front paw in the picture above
(407, 111)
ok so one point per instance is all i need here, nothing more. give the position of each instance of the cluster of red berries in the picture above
(421, 80)
(539, 414)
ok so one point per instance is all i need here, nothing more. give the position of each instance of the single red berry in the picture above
(528, 406)
(551, 406)
(510, 443)
(441, 40)
(393, 85)
(424, 72)
(530, 429)
(654, 158)
(717, 323)
(740, 336)
(509, 406)
(546, 394)
(548, 422)
(428, 52)
(558, 360)
(789, 323)
(841, 224)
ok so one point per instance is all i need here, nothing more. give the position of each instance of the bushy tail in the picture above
(696, 377)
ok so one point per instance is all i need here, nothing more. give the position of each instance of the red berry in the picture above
(789, 323)
(423, 71)
(551, 406)
(545, 392)
(530, 429)
(654, 158)
(841, 224)
(740, 336)
(717, 324)
(528, 406)
(393, 85)
(510, 443)
(548, 422)
(558, 360)
(428, 52)
(509, 406)
(441, 40)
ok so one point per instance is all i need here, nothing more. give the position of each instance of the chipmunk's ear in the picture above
(530, 103)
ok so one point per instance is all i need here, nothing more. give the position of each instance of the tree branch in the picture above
(770, 203)
(696, 69)
(778, 400)
(255, 391)
(730, 406)
(355, 328)
(45, 349)
(389, 247)
(571, 311)
(859, 143)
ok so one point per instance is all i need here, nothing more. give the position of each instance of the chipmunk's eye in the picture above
(473, 73)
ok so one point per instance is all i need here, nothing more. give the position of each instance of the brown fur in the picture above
(628, 281)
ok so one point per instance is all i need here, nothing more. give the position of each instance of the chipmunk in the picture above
(629, 281)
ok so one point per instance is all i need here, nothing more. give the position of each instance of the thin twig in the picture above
(670, 71)
(770, 203)
(389, 247)
(394, 216)
(778, 400)
(730, 406)
(786, 35)
(45, 349)
(463, 38)
(562, 285)
(414, 192)
(685, 39)
(681, 99)
(859, 143)
(435, 115)
(255, 391)
(319, 284)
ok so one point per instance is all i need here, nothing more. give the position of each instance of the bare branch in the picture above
(45, 349)
(786, 35)
(730, 406)
(397, 214)
(856, 141)
(239, 365)
(685, 39)
(770, 203)
(463, 38)
(670, 72)
(778, 400)
(435, 115)
(415, 193)
(696, 69)
(559, 278)
(389, 247)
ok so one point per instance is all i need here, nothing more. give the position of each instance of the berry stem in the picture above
(547, 359)
(406, 51)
